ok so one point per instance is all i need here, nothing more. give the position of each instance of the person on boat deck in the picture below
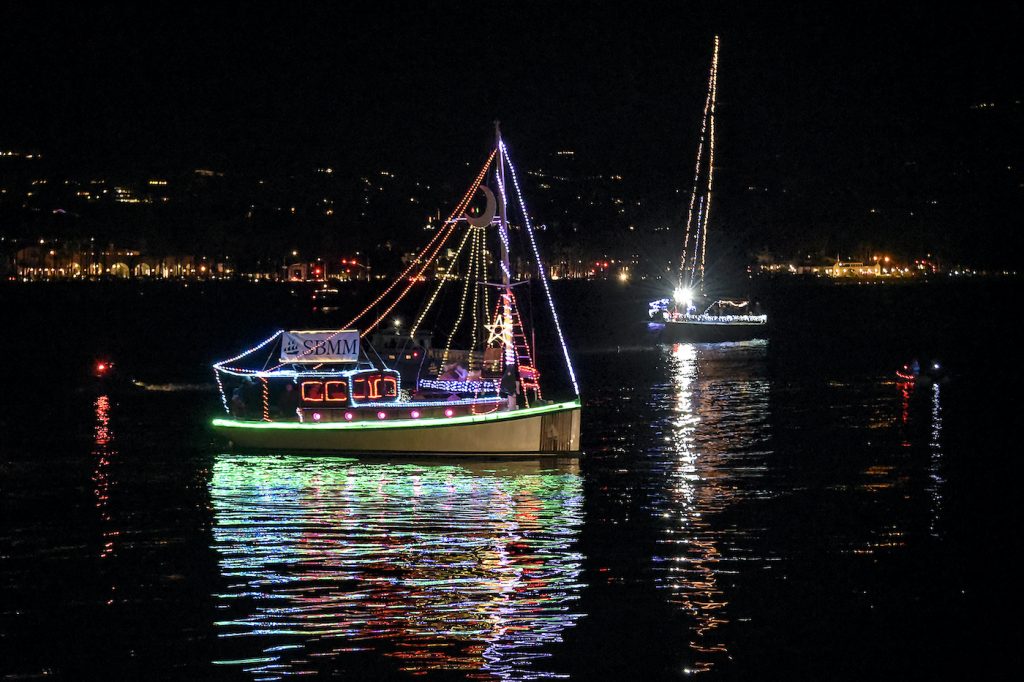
(237, 403)
(251, 395)
(509, 387)
(288, 402)
(454, 372)
(244, 398)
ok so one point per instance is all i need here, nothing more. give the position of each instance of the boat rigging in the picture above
(480, 393)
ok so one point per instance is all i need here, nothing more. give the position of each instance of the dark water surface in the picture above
(758, 510)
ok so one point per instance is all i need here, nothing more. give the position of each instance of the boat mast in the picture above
(506, 269)
(500, 171)
(691, 266)
(713, 85)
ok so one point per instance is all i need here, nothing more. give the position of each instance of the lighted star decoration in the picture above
(499, 332)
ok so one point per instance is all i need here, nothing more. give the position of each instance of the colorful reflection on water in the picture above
(103, 451)
(454, 567)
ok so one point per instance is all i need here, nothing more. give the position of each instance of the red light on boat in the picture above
(449, 412)
(415, 353)
(415, 414)
(101, 367)
(382, 415)
(349, 416)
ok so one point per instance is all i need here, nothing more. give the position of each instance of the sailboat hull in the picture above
(543, 430)
(712, 332)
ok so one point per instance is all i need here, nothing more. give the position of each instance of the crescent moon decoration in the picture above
(485, 218)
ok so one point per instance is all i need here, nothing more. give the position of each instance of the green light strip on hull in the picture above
(429, 422)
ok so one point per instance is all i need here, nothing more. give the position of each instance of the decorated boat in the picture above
(689, 314)
(476, 390)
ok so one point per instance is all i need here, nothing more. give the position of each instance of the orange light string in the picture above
(443, 234)
(445, 231)
(430, 303)
(460, 209)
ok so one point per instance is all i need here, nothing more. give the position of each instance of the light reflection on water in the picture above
(910, 425)
(715, 435)
(853, 531)
(936, 480)
(103, 451)
(466, 567)
(714, 462)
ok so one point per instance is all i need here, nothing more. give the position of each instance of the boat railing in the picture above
(456, 386)
(719, 319)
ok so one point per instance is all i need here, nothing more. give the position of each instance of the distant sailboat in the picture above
(687, 314)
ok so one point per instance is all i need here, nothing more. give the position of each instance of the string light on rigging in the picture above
(440, 284)
(540, 268)
(443, 234)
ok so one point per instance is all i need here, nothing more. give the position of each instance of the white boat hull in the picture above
(547, 429)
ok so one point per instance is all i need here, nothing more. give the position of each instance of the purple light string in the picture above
(501, 226)
(540, 268)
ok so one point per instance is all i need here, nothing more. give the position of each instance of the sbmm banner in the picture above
(320, 346)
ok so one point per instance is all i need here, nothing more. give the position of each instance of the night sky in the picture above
(855, 117)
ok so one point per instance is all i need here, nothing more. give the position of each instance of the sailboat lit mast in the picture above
(690, 273)
(506, 268)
